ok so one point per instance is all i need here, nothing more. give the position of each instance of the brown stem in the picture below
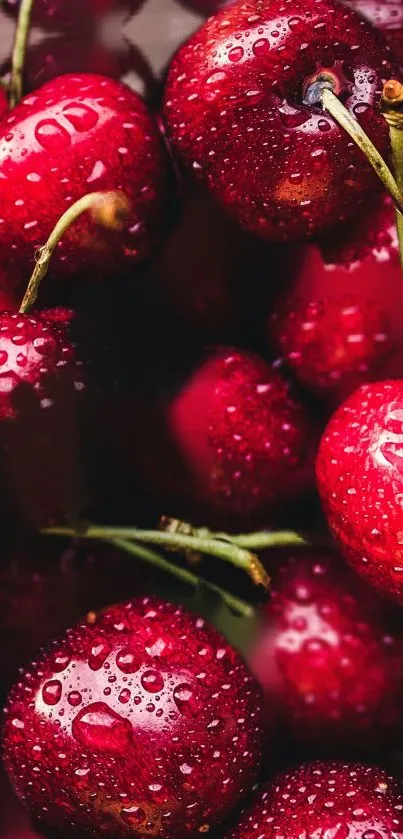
(392, 109)
(109, 209)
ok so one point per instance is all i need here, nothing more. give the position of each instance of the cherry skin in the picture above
(329, 657)
(14, 822)
(339, 321)
(237, 108)
(43, 385)
(157, 717)
(386, 15)
(327, 799)
(63, 15)
(55, 147)
(231, 441)
(360, 480)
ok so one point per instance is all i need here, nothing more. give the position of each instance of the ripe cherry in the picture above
(242, 104)
(329, 656)
(360, 479)
(152, 719)
(339, 320)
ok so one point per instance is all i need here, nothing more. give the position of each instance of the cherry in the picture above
(325, 799)
(70, 14)
(14, 823)
(149, 715)
(242, 104)
(360, 479)
(339, 321)
(43, 385)
(55, 146)
(329, 657)
(386, 15)
(231, 440)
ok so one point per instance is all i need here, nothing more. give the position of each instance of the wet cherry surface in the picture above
(342, 800)
(360, 479)
(55, 146)
(141, 716)
(386, 15)
(338, 322)
(236, 112)
(329, 656)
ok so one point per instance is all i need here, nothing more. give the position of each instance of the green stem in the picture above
(269, 539)
(182, 574)
(107, 208)
(343, 117)
(227, 551)
(19, 50)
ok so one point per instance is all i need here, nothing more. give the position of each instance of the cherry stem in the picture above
(182, 574)
(392, 109)
(225, 549)
(19, 50)
(343, 117)
(109, 209)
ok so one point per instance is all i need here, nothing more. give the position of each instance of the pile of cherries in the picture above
(211, 345)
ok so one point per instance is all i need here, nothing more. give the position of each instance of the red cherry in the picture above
(360, 479)
(42, 386)
(325, 799)
(14, 822)
(329, 657)
(232, 441)
(153, 720)
(242, 109)
(339, 321)
(386, 15)
(56, 146)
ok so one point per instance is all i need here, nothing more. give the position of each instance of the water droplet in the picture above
(52, 136)
(124, 695)
(52, 692)
(98, 655)
(324, 125)
(152, 681)
(81, 117)
(133, 816)
(236, 54)
(261, 47)
(127, 661)
(185, 700)
(74, 698)
(99, 727)
(61, 661)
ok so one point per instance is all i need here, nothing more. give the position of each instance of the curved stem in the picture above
(225, 550)
(19, 49)
(392, 109)
(107, 208)
(343, 117)
(269, 539)
(183, 574)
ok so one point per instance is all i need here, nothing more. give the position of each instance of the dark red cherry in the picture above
(152, 718)
(243, 112)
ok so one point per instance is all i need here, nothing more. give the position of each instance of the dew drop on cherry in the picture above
(99, 727)
(185, 700)
(152, 681)
(52, 692)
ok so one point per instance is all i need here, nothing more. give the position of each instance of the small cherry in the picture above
(231, 439)
(152, 720)
(55, 146)
(243, 109)
(360, 479)
(386, 15)
(329, 656)
(339, 320)
(325, 799)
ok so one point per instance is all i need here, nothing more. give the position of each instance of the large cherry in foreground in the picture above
(360, 479)
(76, 134)
(325, 799)
(242, 104)
(329, 656)
(141, 720)
(338, 322)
